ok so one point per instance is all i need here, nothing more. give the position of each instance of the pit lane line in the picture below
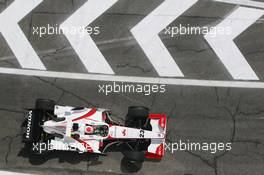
(133, 79)
(12, 173)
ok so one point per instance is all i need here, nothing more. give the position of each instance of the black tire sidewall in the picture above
(130, 166)
(137, 112)
(138, 156)
(136, 116)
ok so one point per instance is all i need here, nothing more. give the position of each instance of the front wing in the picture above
(156, 147)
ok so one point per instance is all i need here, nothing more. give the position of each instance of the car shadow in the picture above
(62, 156)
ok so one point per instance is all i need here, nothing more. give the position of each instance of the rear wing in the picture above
(156, 147)
(33, 128)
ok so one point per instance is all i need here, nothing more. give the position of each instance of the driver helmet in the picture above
(89, 129)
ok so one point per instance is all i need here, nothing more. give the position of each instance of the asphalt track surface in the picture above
(197, 114)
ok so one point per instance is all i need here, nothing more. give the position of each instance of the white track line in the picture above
(244, 3)
(115, 41)
(12, 173)
(132, 79)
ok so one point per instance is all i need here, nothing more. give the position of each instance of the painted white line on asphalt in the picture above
(133, 79)
(15, 37)
(113, 42)
(226, 49)
(84, 46)
(244, 3)
(12, 173)
(146, 33)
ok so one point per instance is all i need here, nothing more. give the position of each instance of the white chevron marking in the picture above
(224, 45)
(85, 47)
(146, 34)
(15, 37)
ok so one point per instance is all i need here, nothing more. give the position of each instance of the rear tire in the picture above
(45, 104)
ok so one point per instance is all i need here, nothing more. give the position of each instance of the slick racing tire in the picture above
(137, 117)
(138, 156)
(132, 162)
(138, 112)
(45, 104)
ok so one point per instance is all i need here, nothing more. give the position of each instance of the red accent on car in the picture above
(149, 155)
(124, 132)
(160, 150)
(103, 116)
(162, 119)
(110, 137)
(101, 144)
(89, 129)
(86, 145)
(90, 113)
(158, 155)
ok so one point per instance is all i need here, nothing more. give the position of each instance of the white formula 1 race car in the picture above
(50, 127)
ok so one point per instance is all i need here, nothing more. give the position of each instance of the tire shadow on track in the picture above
(62, 156)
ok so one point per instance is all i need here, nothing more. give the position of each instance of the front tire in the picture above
(137, 117)
(138, 112)
(138, 156)
(132, 162)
